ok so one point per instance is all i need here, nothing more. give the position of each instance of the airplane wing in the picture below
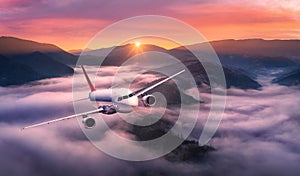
(63, 118)
(140, 92)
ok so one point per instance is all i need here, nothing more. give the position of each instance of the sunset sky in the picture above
(70, 24)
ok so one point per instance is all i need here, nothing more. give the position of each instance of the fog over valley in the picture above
(258, 134)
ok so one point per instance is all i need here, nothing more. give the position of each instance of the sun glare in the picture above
(137, 44)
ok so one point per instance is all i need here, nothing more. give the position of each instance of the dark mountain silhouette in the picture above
(289, 79)
(257, 65)
(11, 46)
(254, 56)
(121, 53)
(23, 61)
(78, 51)
(242, 60)
(43, 64)
(13, 73)
(255, 47)
(258, 48)
(235, 77)
(118, 55)
(115, 56)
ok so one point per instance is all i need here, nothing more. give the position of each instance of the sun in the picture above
(137, 44)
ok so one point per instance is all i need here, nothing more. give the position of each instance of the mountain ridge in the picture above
(253, 47)
(240, 64)
(291, 78)
(10, 46)
(23, 61)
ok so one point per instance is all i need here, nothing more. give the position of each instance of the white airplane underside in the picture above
(121, 100)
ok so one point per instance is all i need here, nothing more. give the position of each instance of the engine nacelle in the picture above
(89, 122)
(149, 100)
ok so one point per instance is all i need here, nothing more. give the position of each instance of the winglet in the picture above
(88, 79)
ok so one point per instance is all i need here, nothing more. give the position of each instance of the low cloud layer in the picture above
(259, 135)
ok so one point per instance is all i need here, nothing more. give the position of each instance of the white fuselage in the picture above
(119, 97)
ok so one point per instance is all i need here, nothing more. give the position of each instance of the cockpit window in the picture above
(120, 99)
(125, 97)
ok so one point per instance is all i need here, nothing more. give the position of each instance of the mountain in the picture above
(23, 61)
(116, 56)
(11, 46)
(235, 77)
(77, 52)
(255, 56)
(289, 79)
(258, 65)
(13, 73)
(43, 64)
(254, 47)
(119, 54)
(242, 60)
(96, 52)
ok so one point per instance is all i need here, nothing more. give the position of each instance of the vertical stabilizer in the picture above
(88, 79)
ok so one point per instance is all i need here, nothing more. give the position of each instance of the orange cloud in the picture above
(67, 33)
(72, 26)
(241, 20)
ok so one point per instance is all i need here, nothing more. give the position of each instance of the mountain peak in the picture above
(14, 46)
(25, 60)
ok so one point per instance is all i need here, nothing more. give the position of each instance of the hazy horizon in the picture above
(71, 24)
(149, 43)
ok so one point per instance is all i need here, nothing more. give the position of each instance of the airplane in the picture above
(122, 100)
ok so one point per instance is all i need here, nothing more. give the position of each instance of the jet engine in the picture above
(149, 100)
(89, 122)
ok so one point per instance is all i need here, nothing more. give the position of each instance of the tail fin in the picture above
(88, 79)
